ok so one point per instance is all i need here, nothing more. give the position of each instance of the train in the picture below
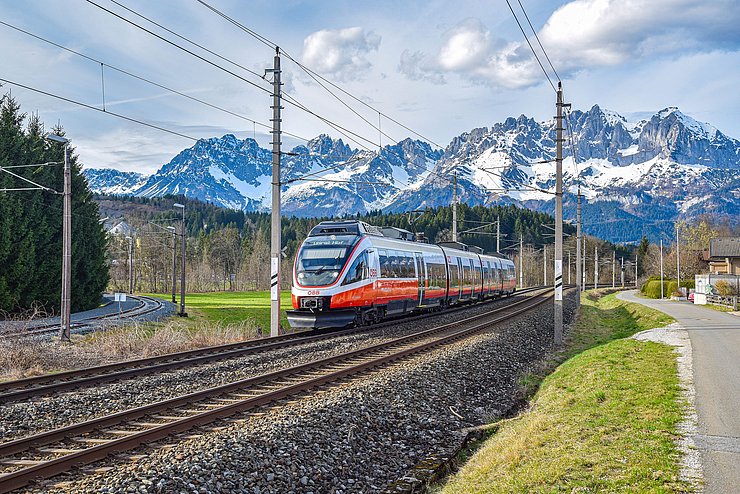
(353, 273)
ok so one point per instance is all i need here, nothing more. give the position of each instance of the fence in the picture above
(719, 289)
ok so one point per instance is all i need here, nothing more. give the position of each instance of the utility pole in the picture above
(559, 217)
(569, 265)
(635, 270)
(174, 261)
(580, 273)
(521, 255)
(622, 270)
(614, 269)
(661, 268)
(678, 261)
(454, 208)
(596, 266)
(544, 252)
(182, 312)
(130, 264)
(583, 280)
(275, 224)
(498, 234)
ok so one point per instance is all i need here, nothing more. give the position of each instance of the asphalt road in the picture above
(715, 341)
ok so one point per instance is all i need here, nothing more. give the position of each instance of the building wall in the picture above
(727, 266)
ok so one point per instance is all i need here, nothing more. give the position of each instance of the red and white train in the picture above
(349, 272)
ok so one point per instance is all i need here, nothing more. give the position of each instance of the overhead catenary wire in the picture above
(190, 52)
(538, 40)
(526, 38)
(143, 79)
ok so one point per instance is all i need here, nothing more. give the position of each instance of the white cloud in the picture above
(340, 53)
(581, 34)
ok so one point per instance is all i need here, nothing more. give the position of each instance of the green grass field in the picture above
(232, 307)
(604, 421)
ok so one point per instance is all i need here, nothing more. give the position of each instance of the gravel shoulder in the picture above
(356, 437)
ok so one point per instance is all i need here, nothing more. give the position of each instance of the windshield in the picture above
(320, 260)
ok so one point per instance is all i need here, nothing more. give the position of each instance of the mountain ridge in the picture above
(669, 163)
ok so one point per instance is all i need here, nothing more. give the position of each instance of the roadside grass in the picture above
(718, 308)
(232, 307)
(604, 421)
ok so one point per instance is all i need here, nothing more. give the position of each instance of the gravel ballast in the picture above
(355, 437)
(45, 413)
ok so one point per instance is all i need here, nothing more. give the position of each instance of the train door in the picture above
(473, 279)
(461, 272)
(421, 275)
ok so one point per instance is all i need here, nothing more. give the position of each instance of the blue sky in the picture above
(439, 67)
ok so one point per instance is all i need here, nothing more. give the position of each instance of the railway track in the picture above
(46, 454)
(146, 305)
(64, 381)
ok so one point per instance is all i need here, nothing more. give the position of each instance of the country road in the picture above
(715, 341)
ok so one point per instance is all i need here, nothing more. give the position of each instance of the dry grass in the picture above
(28, 357)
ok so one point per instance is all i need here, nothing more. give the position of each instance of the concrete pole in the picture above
(580, 273)
(622, 270)
(174, 263)
(66, 311)
(583, 281)
(182, 266)
(558, 278)
(596, 266)
(635, 270)
(454, 208)
(614, 269)
(498, 234)
(661, 268)
(130, 264)
(569, 266)
(521, 264)
(275, 231)
(678, 261)
(544, 263)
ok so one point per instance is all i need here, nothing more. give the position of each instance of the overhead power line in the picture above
(526, 38)
(144, 79)
(190, 52)
(538, 40)
(91, 107)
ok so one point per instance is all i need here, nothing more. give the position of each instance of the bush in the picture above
(651, 289)
(724, 288)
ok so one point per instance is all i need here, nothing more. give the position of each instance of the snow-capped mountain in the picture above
(655, 170)
(637, 177)
(324, 177)
(114, 182)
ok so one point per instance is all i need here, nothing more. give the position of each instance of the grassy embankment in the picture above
(603, 421)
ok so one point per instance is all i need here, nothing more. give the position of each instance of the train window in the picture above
(385, 264)
(358, 271)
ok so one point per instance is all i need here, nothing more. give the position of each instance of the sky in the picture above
(440, 68)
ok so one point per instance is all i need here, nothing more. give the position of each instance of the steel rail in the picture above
(88, 321)
(378, 355)
(52, 383)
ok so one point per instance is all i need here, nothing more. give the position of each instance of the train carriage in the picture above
(349, 272)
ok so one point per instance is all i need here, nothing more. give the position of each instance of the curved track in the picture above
(49, 453)
(146, 305)
(64, 381)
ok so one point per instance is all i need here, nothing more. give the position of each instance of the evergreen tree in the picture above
(31, 221)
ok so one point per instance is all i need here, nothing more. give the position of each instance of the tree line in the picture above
(31, 220)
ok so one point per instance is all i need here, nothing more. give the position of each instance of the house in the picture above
(724, 255)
